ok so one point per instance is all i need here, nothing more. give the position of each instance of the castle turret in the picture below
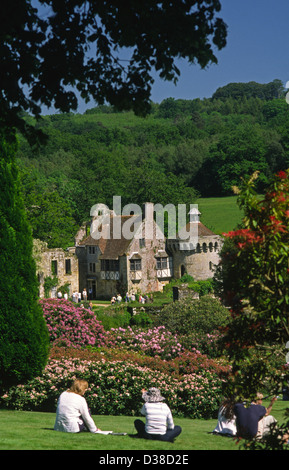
(196, 249)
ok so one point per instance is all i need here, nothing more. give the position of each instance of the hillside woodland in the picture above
(182, 150)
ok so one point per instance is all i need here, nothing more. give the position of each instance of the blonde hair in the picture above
(79, 386)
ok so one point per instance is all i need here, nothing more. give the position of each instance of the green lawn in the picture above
(27, 430)
(220, 214)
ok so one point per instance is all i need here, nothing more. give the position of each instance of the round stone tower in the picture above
(198, 254)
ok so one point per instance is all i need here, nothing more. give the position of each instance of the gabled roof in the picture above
(111, 248)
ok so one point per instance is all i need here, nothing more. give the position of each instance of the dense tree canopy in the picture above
(266, 91)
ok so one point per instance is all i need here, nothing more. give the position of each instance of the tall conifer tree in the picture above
(23, 332)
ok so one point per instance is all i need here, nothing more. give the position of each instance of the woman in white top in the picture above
(159, 423)
(226, 419)
(72, 414)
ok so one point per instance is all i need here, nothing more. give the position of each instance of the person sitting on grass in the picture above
(72, 414)
(226, 424)
(159, 423)
(254, 420)
(264, 425)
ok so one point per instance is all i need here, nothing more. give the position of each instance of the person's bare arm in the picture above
(270, 406)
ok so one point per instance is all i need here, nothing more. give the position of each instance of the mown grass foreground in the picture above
(25, 430)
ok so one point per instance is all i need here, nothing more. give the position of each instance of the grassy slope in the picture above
(25, 430)
(220, 214)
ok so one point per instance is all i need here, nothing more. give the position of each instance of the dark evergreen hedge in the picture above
(23, 331)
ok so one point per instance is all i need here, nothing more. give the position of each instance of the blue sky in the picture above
(257, 50)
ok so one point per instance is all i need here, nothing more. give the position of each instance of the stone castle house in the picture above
(106, 265)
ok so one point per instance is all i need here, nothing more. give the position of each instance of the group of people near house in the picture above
(78, 296)
(131, 298)
(116, 299)
(234, 419)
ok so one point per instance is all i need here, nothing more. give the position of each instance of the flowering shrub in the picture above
(72, 326)
(188, 362)
(205, 343)
(193, 362)
(245, 237)
(156, 341)
(128, 361)
(115, 388)
(78, 327)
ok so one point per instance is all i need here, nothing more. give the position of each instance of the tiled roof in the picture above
(111, 248)
(203, 231)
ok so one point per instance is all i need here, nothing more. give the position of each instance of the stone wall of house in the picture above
(56, 262)
(112, 283)
(107, 284)
(82, 266)
(125, 280)
(146, 280)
